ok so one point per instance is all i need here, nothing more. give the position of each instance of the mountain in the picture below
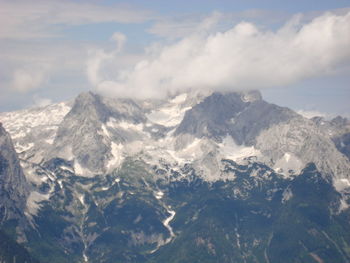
(14, 193)
(197, 177)
(86, 133)
(14, 189)
(339, 130)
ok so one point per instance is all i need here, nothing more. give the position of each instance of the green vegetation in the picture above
(11, 251)
(252, 219)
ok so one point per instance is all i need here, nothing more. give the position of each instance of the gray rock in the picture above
(81, 136)
(241, 115)
(338, 129)
(14, 188)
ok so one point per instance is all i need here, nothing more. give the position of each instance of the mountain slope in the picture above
(196, 177)
(10, 251)
(14, 189)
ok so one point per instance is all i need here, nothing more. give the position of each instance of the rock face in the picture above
(338, 130)
(98, 133)
(14, 189)
(299, 139)
(232, 114)
(217, 177)
(84, 133)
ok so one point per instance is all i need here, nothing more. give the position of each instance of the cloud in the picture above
(179, 27)
(97, 57)
(313, 113)
(41, 102)
(40, 18)
(120, 40)
(27, 80)
(183, 25)
(242, 57)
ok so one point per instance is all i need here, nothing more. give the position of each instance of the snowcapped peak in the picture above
(86, 96)
(98, 133)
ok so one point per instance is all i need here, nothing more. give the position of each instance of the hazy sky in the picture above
(296, 52)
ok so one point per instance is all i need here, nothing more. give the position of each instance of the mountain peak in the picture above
(242, 115)
(89, 105)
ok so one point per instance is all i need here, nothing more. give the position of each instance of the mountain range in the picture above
(196, 177)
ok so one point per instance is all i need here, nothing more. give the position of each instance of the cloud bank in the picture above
(243, 57)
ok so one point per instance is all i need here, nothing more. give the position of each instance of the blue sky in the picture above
(184, 6)
(53, 50)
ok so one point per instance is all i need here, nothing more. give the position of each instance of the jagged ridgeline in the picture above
(198, 177)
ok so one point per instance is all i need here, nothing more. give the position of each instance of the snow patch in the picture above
(23, 147)
(37, 124)
(66, 168)
(85, 257)
(230, 150)
(33, 202)
(159, 195)
(287, 157)
(288, 164)
(179, 99)
(20, 134)
(113, 123)
(171, 114)
(166, 224)
(66, 153)
(79, 170)
(341, 184)
(50, 140)
(117, 156)
(189, 153)
(81, 198)
(343, 205)
(32, 177)
(105, 131)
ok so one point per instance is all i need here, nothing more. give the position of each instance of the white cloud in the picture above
(53, 68)
(32, 19)
(243, 57)
(183, 25)
(120, 40)
(178, 27)
(41, 102)
(26, 80)
(313, 113)
(97, 57)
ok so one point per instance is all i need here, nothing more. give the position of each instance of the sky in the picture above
(297, 53)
